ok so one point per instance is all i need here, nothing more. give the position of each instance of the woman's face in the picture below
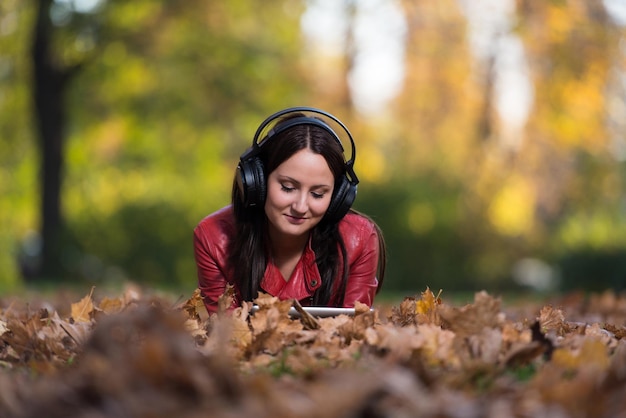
(298, 194)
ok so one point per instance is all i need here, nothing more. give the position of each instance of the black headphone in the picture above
(250, 174)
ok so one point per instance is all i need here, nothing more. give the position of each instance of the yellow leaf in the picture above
(593, 354)
(427, 302)
(81, 311)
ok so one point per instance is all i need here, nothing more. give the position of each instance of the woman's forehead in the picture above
(305, 166)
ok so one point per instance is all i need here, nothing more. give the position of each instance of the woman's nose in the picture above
(300, 203)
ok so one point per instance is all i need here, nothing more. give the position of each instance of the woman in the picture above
(289, 231)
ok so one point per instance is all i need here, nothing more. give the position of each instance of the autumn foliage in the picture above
(139, 355)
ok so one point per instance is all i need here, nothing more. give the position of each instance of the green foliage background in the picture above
(170, 93)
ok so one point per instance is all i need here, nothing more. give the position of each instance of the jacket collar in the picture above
(302, 284)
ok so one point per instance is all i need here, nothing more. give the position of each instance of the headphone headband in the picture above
(304, 116)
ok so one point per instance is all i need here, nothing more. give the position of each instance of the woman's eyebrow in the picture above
(287, 178)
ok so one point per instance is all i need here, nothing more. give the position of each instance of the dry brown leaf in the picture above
(301, 361)
(420, 310)
(79, 332)
(225, 301)
(404, 314)
(471, 319)
(362, 321)
(82, 310)
(360, 308)
(618, 362)
(241, 333)
(618, 331)
(576, 396)
(193, 327)
(328, 332)
(272, 328)
(595, 331)
(111, 305)
(261, 361)
(521, 354)
(194, 305)
(513, 333)
(272, 314)
(438, 345)
(399, 342)
(132, 294)
(480, 363)
(486, 345)
(552, 319)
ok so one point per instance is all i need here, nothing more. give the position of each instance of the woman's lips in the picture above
(295, 220)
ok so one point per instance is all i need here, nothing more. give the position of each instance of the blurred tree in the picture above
(500, 203)
(148, 102)
(435, 143)
(440, 104)
(331, 66)
(567, 154)
(571, 47)
(50, 81)
(171, 109)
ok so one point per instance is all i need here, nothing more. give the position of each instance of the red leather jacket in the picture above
(211, 239)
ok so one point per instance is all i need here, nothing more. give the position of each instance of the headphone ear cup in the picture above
(342, 200)
(259, 170)
(251, 182)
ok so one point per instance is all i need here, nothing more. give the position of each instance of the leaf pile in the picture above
(144, 356)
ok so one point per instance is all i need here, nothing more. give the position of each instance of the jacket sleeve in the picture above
(362, 282)
(211, 279)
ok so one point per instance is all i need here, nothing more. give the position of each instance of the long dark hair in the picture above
(249, 249)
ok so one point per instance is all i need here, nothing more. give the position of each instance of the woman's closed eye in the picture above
(288, 189)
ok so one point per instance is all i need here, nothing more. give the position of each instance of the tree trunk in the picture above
(48, 92)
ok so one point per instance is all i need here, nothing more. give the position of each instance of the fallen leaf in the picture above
(521, 354)
(428, 302)
(111, 305)
(438, 345)
(485, 346)
(193, 305)
(81, 310)
(405, 313)
(552, 319)
(226, 300)
(472, 318)
(592, 354)
(241, 334)
(307, 319)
